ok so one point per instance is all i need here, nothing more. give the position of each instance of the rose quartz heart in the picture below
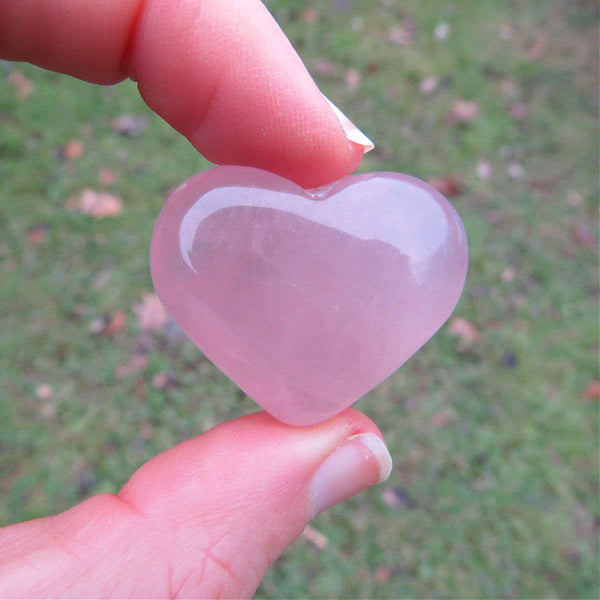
(308, 299)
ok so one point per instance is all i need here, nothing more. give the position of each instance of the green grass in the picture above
(495, 446)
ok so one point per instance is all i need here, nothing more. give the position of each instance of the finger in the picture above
(221, 73)
(204, 519)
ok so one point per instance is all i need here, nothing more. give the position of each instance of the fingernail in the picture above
(353, 133)
(358, 463)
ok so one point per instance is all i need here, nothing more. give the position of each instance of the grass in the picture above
(495, 488)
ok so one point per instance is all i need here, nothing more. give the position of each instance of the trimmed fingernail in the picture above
(353, 133)
(358, 463)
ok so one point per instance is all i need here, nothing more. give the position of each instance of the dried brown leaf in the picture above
(23, 86)
(36, 234)
(116, 323)
(108, 324)
(449, 185)
(520, 110)
(382, 574)
(44, 391)
(583, 235)
(72, 150)
(322, 66)
(394, 497)
(106, 176)
(443, 417)
(575, 199)
(136, 364)
(164, 380)
(151, 314)
(465, 330)
(463, 111)
(484, 170)
(310, 16)
(352, 79)
(441, 31)
(96, 204)
(315, 537)
(130, 125)
(401, 36)
(592, 391)
(428, 85)
(508, 274)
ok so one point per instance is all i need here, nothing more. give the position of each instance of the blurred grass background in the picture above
(493, 425)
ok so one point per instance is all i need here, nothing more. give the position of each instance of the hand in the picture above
(206, 518)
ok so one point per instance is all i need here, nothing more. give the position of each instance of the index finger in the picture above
(221, 73)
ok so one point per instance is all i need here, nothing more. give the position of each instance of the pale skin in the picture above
(206, 518)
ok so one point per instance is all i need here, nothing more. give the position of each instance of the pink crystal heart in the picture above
(307, 299)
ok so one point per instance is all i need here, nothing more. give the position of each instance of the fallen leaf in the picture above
(322, 66)
(449, 185)
(441, 31)
(537, 47)
(73, 150)
(315, 537)
(520, 110)
(465, 330)
(136, 364)
(96, 204)
(116, 323)
(400, 36)
(23, 86)
(583, 235)
(571, 555)
(463, 111)
(428, 85)
(140, 390)
(352, 79)
(106, 176)
(98, 325)
(575, 199)
(484, 170)
(164, 380)
(515, 170)
(44, 391)
(371, 69)
(382, 574)
(443, 417)
(151, 314)
(395, 497)
(592, 391)
(146, 430)
(108, 324)
(508, 274)
(130, 125)
(310, 16)
(36, 234)
(545, 186)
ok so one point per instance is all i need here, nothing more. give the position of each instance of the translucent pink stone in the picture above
(308, 299)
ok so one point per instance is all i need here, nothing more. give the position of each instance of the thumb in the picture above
(221, 73)
(204, 519)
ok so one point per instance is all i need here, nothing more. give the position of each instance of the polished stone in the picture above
(308, 299)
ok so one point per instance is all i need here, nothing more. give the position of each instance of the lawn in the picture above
(493, 425)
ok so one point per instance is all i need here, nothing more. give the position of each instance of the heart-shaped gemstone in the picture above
(307, 299)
